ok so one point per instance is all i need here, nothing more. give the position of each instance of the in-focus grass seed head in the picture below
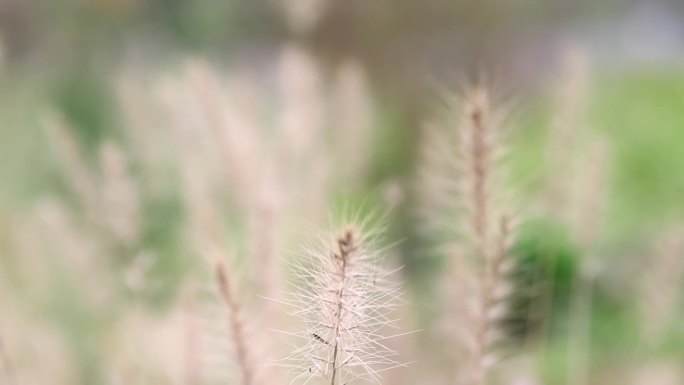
(344, 299)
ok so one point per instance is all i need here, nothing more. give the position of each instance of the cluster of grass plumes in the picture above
(238, 162)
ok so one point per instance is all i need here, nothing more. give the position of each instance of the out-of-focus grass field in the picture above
(639, 110)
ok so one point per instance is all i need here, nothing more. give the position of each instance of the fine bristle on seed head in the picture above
(344, 300)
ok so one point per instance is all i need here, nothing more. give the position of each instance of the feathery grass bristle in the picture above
(344, 299)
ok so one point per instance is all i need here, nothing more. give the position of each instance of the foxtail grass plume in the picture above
(567, 127)
(108, 199)
(73, 165)
(344, 299)
(6, 365)
(304, 15)
(120, 196)
(352, 110)
(489, 228)
(241, 342)
(477, 231)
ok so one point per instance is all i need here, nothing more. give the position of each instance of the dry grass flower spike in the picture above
(344, 299)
